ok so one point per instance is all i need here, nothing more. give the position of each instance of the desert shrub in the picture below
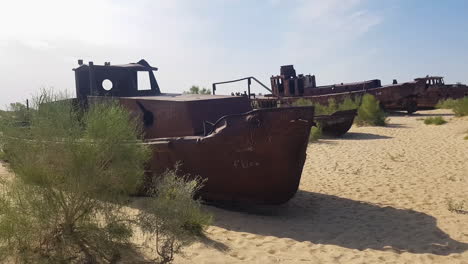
(435, 120)
(446, 103)
(329, 108)
(173, 217)
(349, 103)
(370, 112)
(73, 172)
(315, 133)
(456, 206)
(461, 107)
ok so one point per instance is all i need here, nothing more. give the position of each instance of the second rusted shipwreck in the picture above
(437, 90)
(246, 155)
(288, 87)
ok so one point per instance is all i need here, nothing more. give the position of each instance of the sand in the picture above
(377, 195)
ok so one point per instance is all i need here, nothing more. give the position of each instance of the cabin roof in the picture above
(183, 97)
(429, 78)
(346, 84)
(142, 65)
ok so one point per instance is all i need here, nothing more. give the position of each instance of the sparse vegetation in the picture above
(2, 154)
(73, 174)
(315, 133)
(396, 158)
(173, 216)
(456, 206)
(197, 90)
(446, 103)
(370, 112)
(459, 106)
(331, 107)
(435, 120)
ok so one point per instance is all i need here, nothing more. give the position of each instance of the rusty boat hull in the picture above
(245, 155)
(255, 157)
(434, 94)
(336, 124)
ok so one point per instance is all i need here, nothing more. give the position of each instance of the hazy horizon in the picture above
(198, 43)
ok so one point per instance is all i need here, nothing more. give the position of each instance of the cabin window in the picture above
(107, 84)
(143, 81)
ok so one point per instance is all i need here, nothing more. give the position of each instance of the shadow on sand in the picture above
(362, 136)
(418, 113)
(328, 219)
(425, 113)
(396, 126)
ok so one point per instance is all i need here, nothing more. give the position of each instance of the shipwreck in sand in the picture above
(333, 125)
(437, 90)
(395, 96)
(247, 155)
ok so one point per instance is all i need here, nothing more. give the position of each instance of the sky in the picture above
(198, 42)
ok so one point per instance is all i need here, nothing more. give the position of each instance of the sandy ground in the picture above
(378, 195)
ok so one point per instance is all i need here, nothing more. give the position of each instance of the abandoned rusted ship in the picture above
(246, 155)
(334, 125)
(397, 96)
(437, 90)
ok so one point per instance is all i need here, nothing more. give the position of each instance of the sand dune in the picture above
(378, 195)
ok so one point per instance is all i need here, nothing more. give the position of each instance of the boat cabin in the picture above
(432, 80)
(162, 114)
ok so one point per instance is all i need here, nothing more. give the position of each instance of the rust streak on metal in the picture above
(246, 155)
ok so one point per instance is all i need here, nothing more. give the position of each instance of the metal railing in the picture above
(249, 82)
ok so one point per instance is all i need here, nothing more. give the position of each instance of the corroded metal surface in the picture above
(437, 90)
(397, 96)
(183, 115)
(245, 156)
(336, 124)
(114, 80)
(255, 157)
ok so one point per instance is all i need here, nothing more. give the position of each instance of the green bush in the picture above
(435, 120)
(370, 112)
(459, 106)
(173, 217)
(329, 108)
(349, 104)
(446, 103)
(315, 133)
(73, 172)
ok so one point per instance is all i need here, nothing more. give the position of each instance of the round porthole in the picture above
(107, 84)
